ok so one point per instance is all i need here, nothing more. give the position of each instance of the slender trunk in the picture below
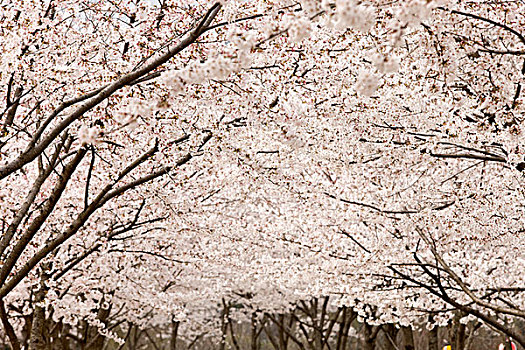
(457, 338)
(174, 331)
(340, 333)
(369, 336)
(254, 331)
(433, 339)
(367, 332)
(319, 331)
(224, 325)
(26, 331)
(331, 321)
(306, 330)
(315, 332)
(133, 344)
(473, 329)
(291, 327)
(350, 318)
(408, 338)
(232, 334)
(267, 328)
(390, 332)
(290, 331)
(64, 329)
(37, 339)
(317, 323)
(282, 334)
(55, 339)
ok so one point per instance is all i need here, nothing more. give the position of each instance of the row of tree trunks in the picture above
(311, 326)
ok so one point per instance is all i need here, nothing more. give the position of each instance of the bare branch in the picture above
(469, 156)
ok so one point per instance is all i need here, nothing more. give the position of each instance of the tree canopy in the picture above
(160, 157)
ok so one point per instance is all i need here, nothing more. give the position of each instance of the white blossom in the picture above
(385, 64)
(299, 29)
(349, 13)
(89, 135)
(367, 83)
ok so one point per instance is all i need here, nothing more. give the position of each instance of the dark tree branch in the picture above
(286, 330)
(46, 210)
(22, 212)
(487, 20)
(88, 178)
(462, 285)
(465, 308)
(369, 206)
(503, 52)
(8, 328)
(469, 156)
(355, 241)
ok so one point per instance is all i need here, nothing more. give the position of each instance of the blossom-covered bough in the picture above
(181, 163)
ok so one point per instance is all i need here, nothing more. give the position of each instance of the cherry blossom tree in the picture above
(161, 161)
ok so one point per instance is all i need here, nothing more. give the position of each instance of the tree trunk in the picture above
(340, 332)
(95, 340)
(433, 339)
(319, 331)
(349, 319)
(254, 331)
(174, 331)
(282, 335)
(224, 324)
(408, 338)
(390, 332)
(369, 336)
(64, 329)
(474, 326)
(458, 334)
(37, 340)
